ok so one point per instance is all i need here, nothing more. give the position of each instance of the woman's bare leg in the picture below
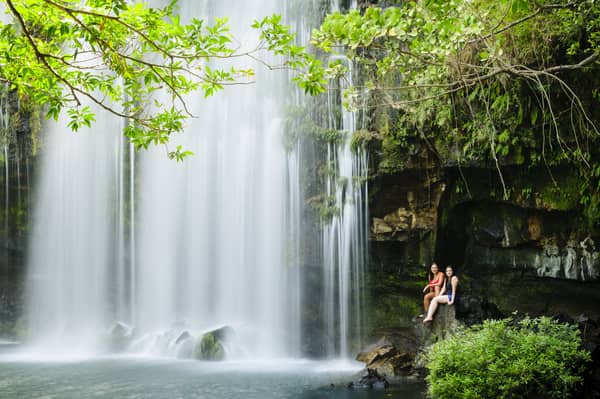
(427, 299)
(433, 307)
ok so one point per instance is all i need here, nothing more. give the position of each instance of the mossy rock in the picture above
(210, 345)
(209, 348)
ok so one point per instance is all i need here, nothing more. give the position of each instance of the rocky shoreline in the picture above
(387, 364)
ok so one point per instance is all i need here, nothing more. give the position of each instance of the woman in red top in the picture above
(434, 286)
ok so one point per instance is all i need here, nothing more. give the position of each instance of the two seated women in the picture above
(442, 289)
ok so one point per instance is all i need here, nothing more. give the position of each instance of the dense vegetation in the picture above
(495, 84)
(532, 358)
(134, 61)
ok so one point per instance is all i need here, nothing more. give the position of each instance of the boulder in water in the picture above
(384, 359)
(120, 330)
(119, 336)
(211, 345)
(183, 337)
(223, 334)
(370, 379)
(383, 348)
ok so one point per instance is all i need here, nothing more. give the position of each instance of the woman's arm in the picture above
(454, 282)
(443, 290)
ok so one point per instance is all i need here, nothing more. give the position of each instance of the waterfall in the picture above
(166, 249)
(4, 128)
(70, 260)
(344, 239)
(341, 242)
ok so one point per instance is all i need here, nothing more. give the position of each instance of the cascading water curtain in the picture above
(345, 245)
(4, 128)
(70, 257)
(213, 238)
(333, 294)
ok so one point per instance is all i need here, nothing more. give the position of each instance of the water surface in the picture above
(26, 376)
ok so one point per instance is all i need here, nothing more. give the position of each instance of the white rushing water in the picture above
(70, 252)
(344, 235)
(167, 248)
(212, 230)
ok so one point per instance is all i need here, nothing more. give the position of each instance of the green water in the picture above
(23, 376)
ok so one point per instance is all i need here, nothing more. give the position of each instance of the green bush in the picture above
(532, 358)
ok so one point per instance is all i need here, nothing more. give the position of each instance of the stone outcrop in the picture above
(527, 250)
(384, 359)
(19, 127)
(443, 325)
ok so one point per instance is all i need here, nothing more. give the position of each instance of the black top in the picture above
(449, 285)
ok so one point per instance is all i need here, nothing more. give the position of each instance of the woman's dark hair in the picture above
(430, 275)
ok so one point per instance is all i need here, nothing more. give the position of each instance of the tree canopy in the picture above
(478, 71)
(120, 55)
(509, 81)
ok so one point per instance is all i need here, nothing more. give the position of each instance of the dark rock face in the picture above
(531, 252)
(16, 175)
(473, 310)
(590, 331)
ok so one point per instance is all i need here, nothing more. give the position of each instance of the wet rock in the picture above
(376, 351)
(183, 337)
(370, 379)
(211, 346)
(185, 348)
(119, 337)
(184, 345)
(386, 360)
(223, 334)
(400, 364)
(120, 330)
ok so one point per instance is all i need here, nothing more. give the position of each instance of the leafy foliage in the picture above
(135, 61)
(505, 82)
(532, 358)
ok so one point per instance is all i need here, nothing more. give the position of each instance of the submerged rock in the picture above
(211, 345)
(119, 337)
(369, 379)
(183, 337)
(184, 345)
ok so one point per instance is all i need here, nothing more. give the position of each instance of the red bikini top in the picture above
(434, 282)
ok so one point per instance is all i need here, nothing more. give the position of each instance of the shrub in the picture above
(531, 358)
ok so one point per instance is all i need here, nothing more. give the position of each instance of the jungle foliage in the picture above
(531, 358)
(510, 82)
